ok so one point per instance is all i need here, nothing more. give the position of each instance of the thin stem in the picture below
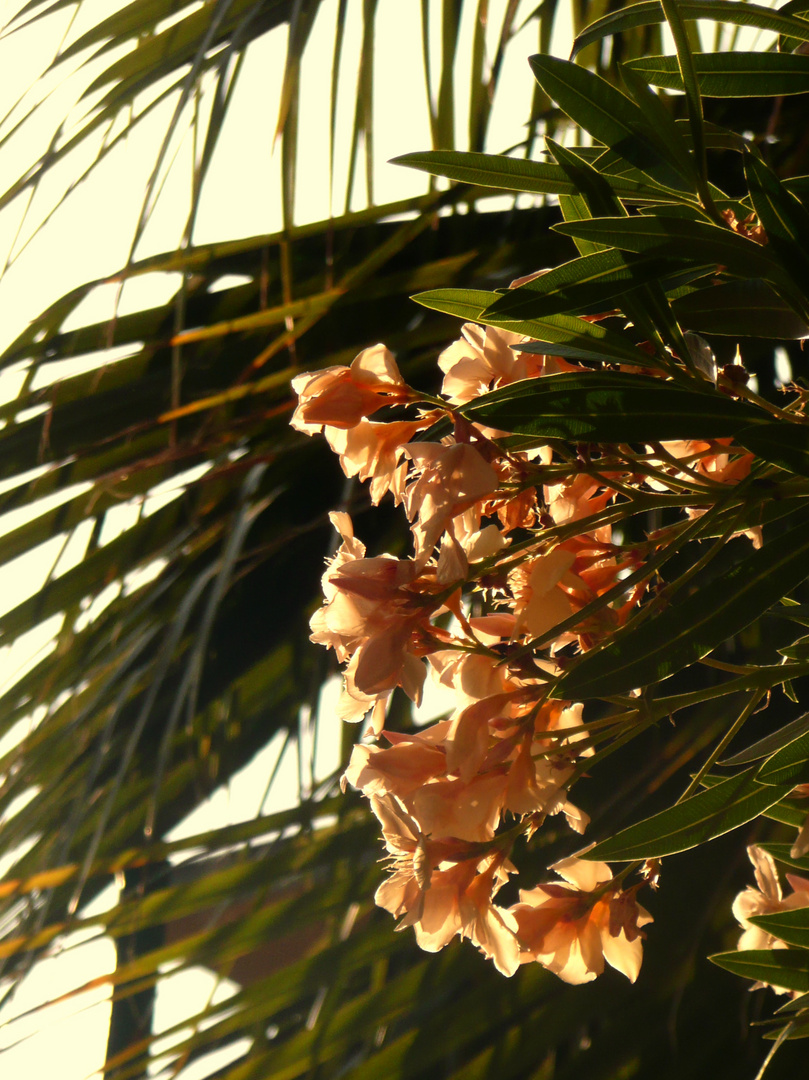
(782, 1037)
(732, 731)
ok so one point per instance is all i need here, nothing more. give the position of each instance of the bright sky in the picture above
(50, 247)
(88, 236)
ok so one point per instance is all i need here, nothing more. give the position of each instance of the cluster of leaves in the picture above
(146, 705)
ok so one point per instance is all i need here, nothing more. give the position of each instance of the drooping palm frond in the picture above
(201, 656)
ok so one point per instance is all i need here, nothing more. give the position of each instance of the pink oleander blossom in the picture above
(342, 396)
(572, 928)
(446, 481)
(483, 359)
(442, 889)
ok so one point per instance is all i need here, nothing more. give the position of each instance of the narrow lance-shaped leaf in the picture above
(703, 817)
(608, 115)
(518, 174)
(784, 445)
(646, 307)
(651, 11)
(567, 330)
(790, 764)
(591, 279)
(688, 75)
(776, 967)
(770, 743)
(781, 854)
(740, 309)
(732, 74)
(787, 812)
(574, 208)
(659, 124)
(785, 220)
(691, 627)
(679, 237)
(594, 198)
(608, 407)
(789, 926)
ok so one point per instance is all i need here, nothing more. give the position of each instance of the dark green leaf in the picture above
(566, 330)
(465, 303)
(732, 74)
(609, 116)
(593, 186)
(781, 853)
(785, 219)
(608, 407)
(798, 650)
(686, 40)
(740, 309)
(679, 238)
(650, 11)
(789, 764)
(647, 307)
(660, 126)
(591, 279)
(574, 208)
(510, 173)
(776, 967)
(782, 444)
(701, 818)
(788, 812)
(692, 626)
(770, 743)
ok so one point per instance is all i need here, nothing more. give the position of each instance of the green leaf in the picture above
(574, 208)
(715, 609)
(609, 116)
(788, 812)
(785, 218)
(679, 238)
(789, 764)
(732, 74)
(591, 279)
(798, 650)
(684, 38)
(660, 126)
(608, 407)
(740, 309)
(647, 307)
(770, 743)
(789, 42)
(651, 11)
(593, 186)
(776, 967)
(511, 173)
(593, 339)
(781, 853)
(782, 444)
(701, 818)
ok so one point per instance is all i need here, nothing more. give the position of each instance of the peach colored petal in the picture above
(583, 873)
(451, 808)
(398, 770)
(766, 873)
(376, 366)
(448, 480)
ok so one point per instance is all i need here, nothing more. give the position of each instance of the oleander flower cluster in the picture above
(767, 899)
(513, 570)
